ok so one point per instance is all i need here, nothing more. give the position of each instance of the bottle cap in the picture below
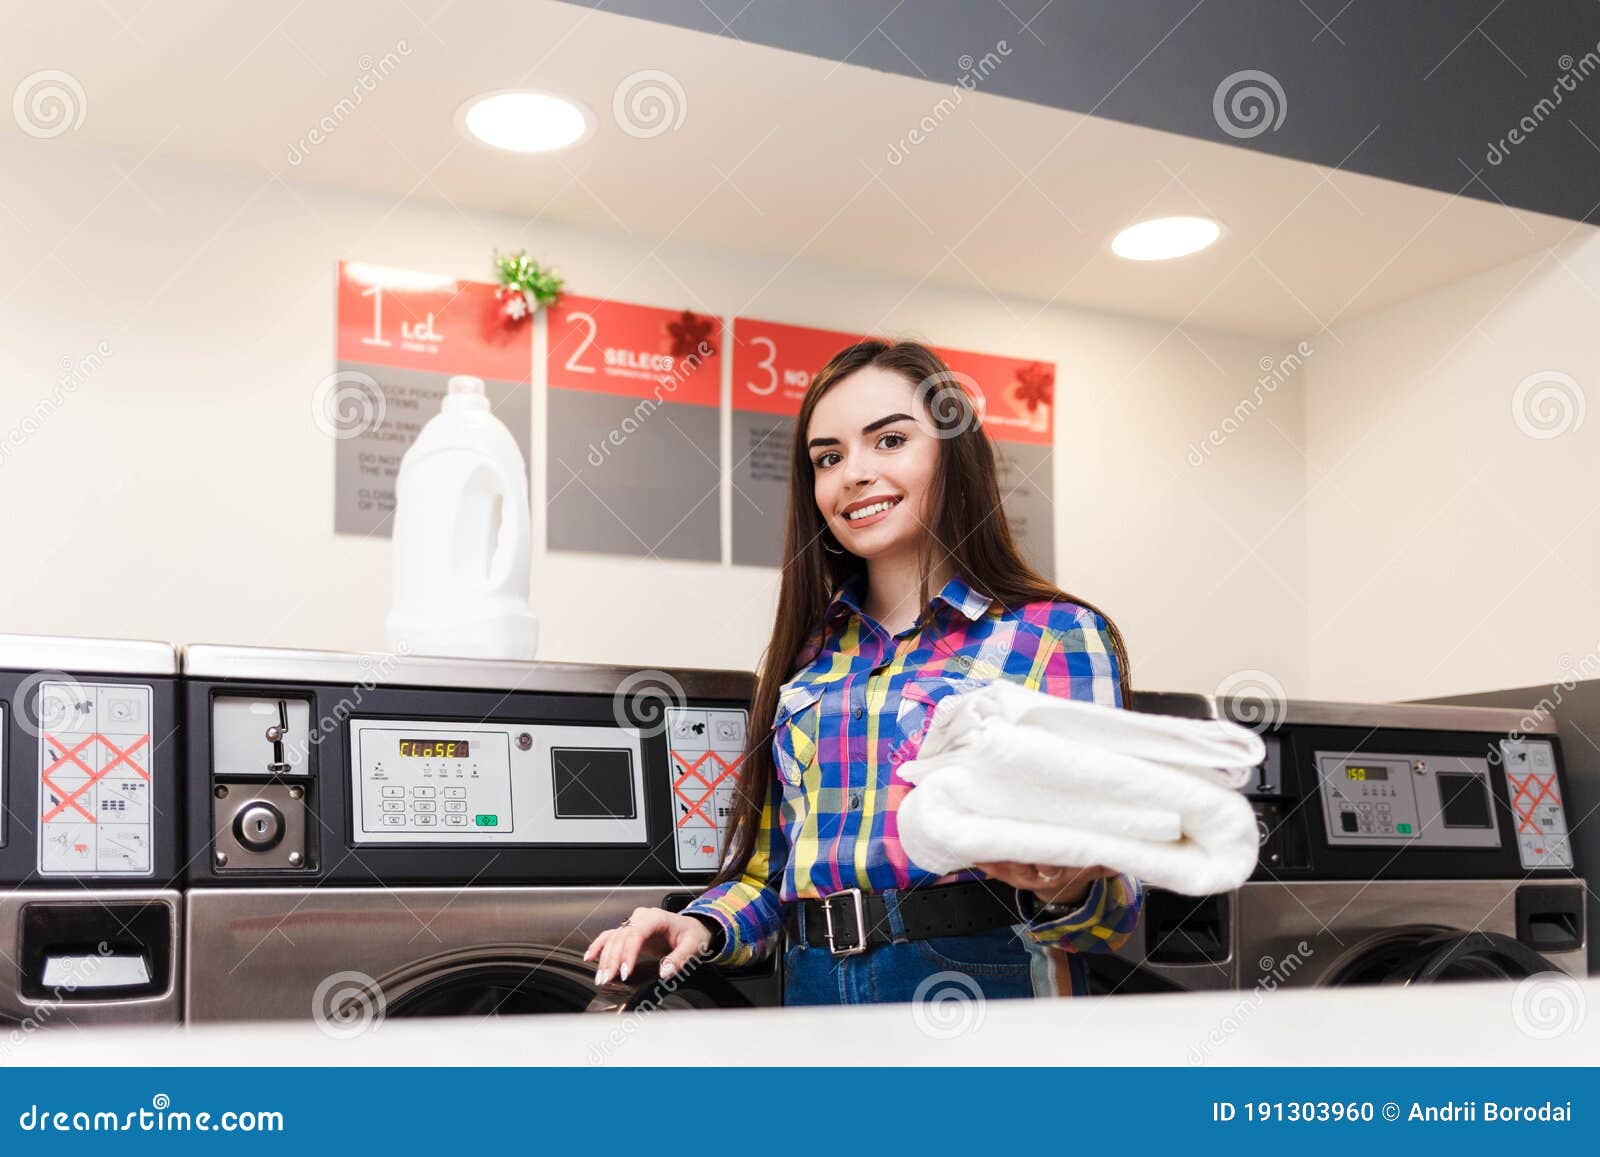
(466, 384)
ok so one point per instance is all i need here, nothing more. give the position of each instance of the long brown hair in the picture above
(970, 530)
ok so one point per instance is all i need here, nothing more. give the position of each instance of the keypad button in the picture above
(394, 793)
(422, 793)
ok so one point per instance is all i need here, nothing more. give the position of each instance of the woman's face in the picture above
(870, 442)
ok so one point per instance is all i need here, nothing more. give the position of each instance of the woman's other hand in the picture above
(672, 936)
(1052, 883)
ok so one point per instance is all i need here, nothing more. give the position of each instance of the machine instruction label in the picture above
(95, 764)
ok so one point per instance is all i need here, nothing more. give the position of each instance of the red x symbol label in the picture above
(1525, 788)
(69, 799)
(125, 756)
(693, 769)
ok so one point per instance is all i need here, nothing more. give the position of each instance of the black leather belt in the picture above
(851, 921)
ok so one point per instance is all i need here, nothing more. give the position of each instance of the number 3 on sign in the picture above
(769, 365)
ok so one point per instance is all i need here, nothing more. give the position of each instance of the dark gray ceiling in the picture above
(1429, 92)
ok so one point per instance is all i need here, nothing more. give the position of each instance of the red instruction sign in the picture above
(635, 351)
(773, 363)
(419, 321)
(1015, 395)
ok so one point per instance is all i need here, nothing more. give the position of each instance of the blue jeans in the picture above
(996, 964)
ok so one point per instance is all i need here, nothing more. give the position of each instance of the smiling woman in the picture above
(902, 584)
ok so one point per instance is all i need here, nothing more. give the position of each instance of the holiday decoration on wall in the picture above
(525, 286)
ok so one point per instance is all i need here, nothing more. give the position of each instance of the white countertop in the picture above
(1538, 1022)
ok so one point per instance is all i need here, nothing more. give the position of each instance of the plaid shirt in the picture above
(857, 708)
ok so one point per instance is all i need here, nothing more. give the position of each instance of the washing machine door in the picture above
(515, 981)
(1433, 956)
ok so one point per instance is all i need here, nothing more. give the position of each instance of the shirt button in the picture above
(855, 802)
(859, 712)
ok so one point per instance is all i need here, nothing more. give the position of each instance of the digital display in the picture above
(433, 748)
(1366, 773)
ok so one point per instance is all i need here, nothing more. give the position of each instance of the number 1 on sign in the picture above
(377, 338)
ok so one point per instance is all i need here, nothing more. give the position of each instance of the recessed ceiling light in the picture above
(1163, 238)
(524, 121)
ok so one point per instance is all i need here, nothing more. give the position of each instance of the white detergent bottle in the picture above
(462, 536)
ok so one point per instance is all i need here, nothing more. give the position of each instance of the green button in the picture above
(488, 821)
(1402, 827)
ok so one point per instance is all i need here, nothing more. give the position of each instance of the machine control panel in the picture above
(1437, 801)
(95, 767)
(705, 747)
(452, 782)
(1537, 813)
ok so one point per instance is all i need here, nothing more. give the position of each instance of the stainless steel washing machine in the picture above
(1400, 844)
(426, 836)
(90, 914)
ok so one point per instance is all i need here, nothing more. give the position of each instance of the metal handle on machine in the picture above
(276, 734)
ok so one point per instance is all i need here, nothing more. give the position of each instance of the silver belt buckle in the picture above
(861, 924)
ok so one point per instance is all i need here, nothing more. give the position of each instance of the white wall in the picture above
(182, 491)
(1453, 549)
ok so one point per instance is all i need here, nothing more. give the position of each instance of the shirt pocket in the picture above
(794, 740)
(918, 698)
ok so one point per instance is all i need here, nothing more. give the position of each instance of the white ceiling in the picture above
(776, 154)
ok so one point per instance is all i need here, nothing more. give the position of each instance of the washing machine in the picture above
(90, 911)
(399, 835)
(1400, 844)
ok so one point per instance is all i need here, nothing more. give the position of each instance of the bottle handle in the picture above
(509, 539)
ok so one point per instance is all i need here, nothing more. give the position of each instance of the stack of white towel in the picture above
(1006, 773)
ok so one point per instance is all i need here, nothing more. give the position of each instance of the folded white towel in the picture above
(1001, 776)
(1212, 748)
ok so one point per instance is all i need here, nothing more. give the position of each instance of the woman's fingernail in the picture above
(603, 976)
(626, 968)
(668, 968)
